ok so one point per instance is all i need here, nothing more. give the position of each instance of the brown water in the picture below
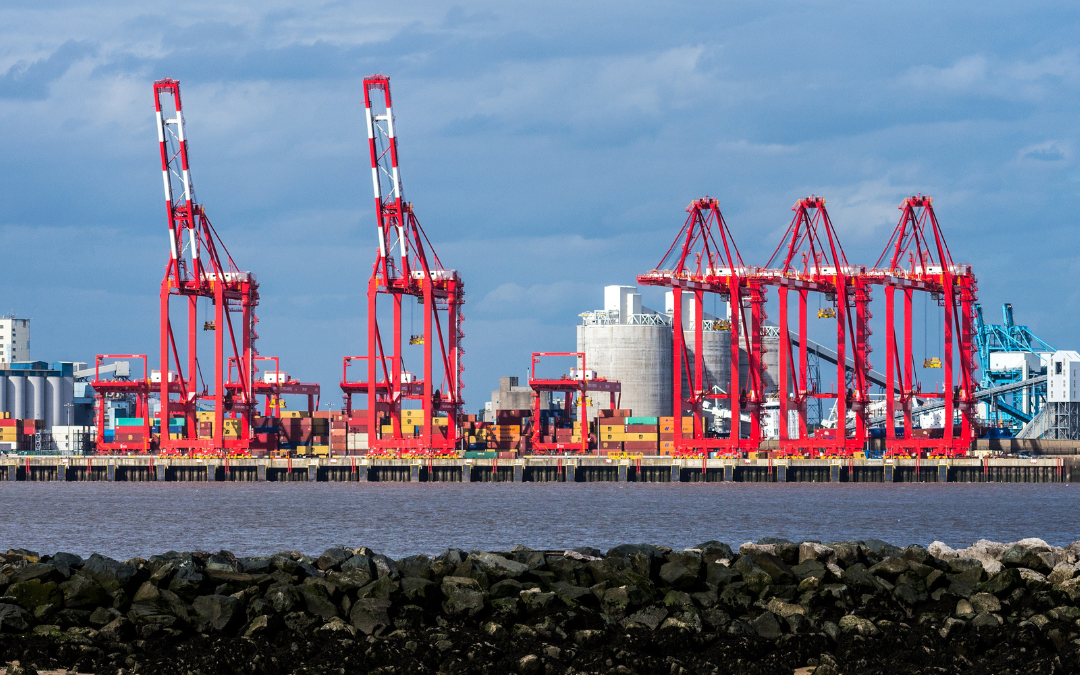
(128, 519)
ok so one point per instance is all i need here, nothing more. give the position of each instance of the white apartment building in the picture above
(14, 339)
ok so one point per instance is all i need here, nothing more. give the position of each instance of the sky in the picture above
(549, 149)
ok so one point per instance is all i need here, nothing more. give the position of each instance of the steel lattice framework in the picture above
(918, 241)
(704, 259)
(200, 267)
(811, 259)
(405, 265)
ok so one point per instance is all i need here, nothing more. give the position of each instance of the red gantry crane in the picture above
(918, 241)
(576, 385)
(704, 259)
(405, 266)
(197, 269)
(122, 386)
(811, 259)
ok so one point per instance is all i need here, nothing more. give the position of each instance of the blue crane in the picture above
(1017, 406)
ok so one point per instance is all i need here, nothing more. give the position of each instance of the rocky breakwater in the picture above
(768, 607)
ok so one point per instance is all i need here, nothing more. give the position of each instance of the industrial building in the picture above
(14, 340)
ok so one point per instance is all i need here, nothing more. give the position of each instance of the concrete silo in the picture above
(631, 344)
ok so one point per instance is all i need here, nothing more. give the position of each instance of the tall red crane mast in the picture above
(811, 259)
(196, 270)
(405, 266)
(704, 259)
(918, 241)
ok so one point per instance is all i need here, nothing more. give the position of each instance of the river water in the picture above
(123, 520)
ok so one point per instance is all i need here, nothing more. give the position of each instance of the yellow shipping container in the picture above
(667, 445)
(641, 437)
(613, 437)
(575, 439)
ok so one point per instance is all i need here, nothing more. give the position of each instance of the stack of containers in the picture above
(642, 435)
(176, 426)
(204, 420)
(129, 430)
(320, 433)
(339, 430)
(612, 433)
(356, 432)
(667, 436)
(9, 433)
(506, 432)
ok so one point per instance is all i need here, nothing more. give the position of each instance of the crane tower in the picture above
(406, 265)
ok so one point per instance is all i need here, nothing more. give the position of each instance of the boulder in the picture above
(256, 564)
(282, 597)
(857, 624)
(337, 627)
(890, 568)
(384, 567)
(415, 566)
(767, 626)
(332, 558)
(882, 549)
(915, 553)
(35, 593)
(13, 619)
(422, 591)
(941, 551)
(118, 630)
(715, 550)
(81, 591)
(219, 611)
(498, 567)
(1062, 572)
(1070, 588)
(508, 588)
(676, 575)
(571, 595)
(809, 550)
(111, 574)
(384, 589)
(42, 571)
(985, 602)
(1033, 581)
(784, 609)
(463, 596)
(1002, 582)
(648, 617)
(1019, 555)
(369, 614)
(221, 563)
(318, 600)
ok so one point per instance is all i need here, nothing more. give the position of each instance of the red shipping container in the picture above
(611, 445)
(641, 428)
(640, 446)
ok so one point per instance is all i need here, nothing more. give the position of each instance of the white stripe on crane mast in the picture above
(172, 241)
(160, 128)
(382, 242)
(194, 247)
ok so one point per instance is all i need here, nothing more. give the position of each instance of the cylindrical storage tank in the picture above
(4, 394)
(17, 396)
(66, 414)
(35, 397)
(716, 351)
(639, 357)
(54, 401)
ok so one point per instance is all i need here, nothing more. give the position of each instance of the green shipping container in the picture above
(477, 454)
(643, 420)
(129, 421)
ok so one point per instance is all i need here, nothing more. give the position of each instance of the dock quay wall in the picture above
(540, 469)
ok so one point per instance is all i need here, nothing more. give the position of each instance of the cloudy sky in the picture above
(549, 149)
